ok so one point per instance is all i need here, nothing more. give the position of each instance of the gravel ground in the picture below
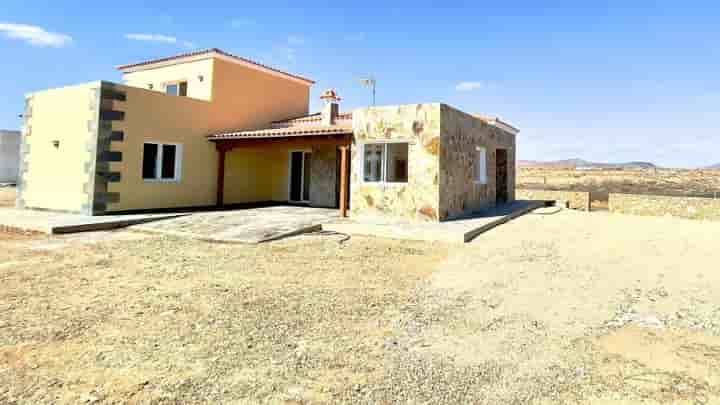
(550, 308)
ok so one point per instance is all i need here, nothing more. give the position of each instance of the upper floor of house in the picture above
(247, 93)
(206, 75)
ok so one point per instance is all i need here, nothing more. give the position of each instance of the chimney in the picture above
(332, 109)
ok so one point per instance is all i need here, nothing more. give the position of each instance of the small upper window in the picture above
(161, 162)
(480, 165)
(176, 89)
(385, 163)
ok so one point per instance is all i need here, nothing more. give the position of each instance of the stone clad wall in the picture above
(577, 200)
(655, 205)
(461, 134)
(323, 172)
(419, 125)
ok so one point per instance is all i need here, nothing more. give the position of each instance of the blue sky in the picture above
(605, 81)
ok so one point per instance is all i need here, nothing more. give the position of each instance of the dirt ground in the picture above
(698, 183)
(554, 307)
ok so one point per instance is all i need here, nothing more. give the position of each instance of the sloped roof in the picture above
(212, 52)
(312, 118)
(284, 132)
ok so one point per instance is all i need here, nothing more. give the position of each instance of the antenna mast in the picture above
(370, 82)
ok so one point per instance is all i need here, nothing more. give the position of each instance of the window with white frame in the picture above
(176, 89)
(385, 162)
(161, 161)
(480, 165)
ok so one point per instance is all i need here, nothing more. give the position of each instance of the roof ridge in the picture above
(210, 51)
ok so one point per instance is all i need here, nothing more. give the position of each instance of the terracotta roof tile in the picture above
(210, 51)
(284, 132)
(317, 117)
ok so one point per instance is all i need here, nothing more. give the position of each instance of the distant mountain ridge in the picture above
(714, 167)
(580, 163)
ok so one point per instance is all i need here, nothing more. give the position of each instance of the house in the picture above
(213, 129)
(9, 156)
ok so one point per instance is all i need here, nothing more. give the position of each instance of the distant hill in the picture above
(714, 167)
(580, 163)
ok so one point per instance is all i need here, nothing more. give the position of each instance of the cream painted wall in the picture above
(252, 99)
(230, 97)
(189, 72)
(58, 177)
(241, 98)
(257, 175)
(248, 176)
(156, 117)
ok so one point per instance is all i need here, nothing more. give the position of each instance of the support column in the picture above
(344, 181)
(221, 177)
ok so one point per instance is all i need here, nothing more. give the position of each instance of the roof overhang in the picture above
(299, 141)
(498, 123)
(299, 131)
(209, 54)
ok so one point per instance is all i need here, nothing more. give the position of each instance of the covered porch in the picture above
(298, 166)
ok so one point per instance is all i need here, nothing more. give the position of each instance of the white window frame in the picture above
(302, 175)
(176, 83)
(481, 175)
(383, 165)
(158, 162)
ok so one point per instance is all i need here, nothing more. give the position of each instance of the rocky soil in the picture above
(555, 307)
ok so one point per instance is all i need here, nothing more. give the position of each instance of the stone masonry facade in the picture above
(418, 199)
(442, 159)
(462, 133)
(323, 172)
(656, 205)
(577, 200)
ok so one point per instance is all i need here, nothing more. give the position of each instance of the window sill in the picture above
(161, 180)
(480, 183)
(384, 183)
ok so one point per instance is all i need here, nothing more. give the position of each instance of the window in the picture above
(480, 165)
(176, 89)
(161, 162)
(385, 163)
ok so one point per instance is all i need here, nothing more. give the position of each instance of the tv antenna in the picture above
(370, 83)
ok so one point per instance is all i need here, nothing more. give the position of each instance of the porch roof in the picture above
(297, 131)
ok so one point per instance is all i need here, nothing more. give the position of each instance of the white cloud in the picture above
(34, 35)
(469, 86)
(167, 39)
(152, 38)
(359, 36)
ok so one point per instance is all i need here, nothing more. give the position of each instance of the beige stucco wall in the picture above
(189, 72)
(59, 178)
(461, 134)
(262, 175)
(250, 99)
(417, 200)
(155, 117)
(256, 175)
(230, 97)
